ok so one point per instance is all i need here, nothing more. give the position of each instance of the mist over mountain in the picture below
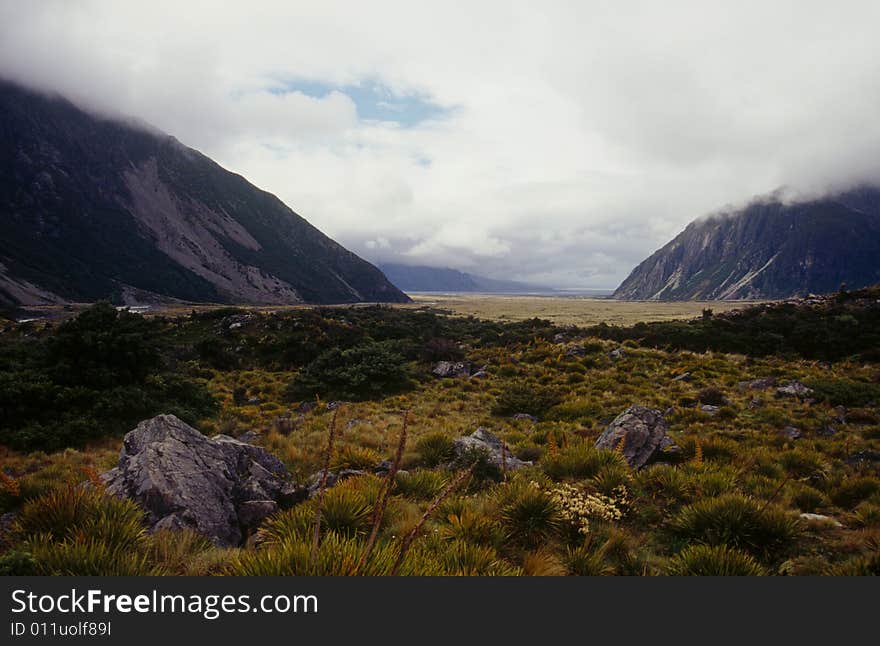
(769, 249)
(420, 278)
(93, 207)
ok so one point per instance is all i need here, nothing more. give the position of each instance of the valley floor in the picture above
(758, 482)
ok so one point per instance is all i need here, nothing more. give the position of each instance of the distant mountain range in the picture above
(419, 278)
(768, 250)
(93, 207)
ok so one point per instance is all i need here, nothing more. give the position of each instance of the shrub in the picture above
(737, 521)
(440, 349)
(346, 511)
(854, 490)
(712, 396)
(461, 558)
(582, 561)
(18, 563)
(579, 461)
(81, 513)
(713, 560)
(529, 515)
(87, 556)
(844, 392)
(435, 449)
(355, 457)
(421, 484)
(363, 372)
(521, 397)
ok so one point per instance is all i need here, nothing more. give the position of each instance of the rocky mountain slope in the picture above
(92, 207)
(769, 249)
(418, 278)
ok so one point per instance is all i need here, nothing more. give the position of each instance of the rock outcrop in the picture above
(642, 432)
(496, 451)
(219, 487)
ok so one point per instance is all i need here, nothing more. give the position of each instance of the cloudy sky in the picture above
(556, 142)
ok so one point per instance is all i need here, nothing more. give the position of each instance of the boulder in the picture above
(640, 429)
(483, 440)
(444, 369)
(219, 487)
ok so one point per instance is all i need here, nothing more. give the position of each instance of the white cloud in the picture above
(579, 136)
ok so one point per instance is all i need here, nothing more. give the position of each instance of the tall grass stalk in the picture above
(331, 436)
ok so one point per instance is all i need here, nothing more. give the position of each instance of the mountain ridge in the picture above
(768, 249)
(93, 207)
(423, 278)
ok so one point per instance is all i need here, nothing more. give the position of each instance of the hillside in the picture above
(768, 250)
(419, 278)
(92, 207)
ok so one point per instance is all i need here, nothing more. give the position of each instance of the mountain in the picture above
(768, 250)
(418, 278)
(93, 207)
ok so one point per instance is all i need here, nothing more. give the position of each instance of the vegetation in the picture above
(728, 500)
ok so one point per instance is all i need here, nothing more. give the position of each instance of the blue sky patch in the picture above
(374, 101)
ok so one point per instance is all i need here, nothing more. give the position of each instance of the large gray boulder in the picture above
(496, 451)
(642, 431)
(448, 369)
(219, 487)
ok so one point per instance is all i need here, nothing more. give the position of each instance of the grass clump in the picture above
(435, 449)
(714, 560)
(529, 515)
(762, 530)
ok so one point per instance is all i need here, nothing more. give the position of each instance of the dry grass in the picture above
(574, 310)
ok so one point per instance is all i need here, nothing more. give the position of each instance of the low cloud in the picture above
(556, 142)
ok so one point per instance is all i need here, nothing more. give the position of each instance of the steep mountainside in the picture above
(769, 249)
(91, 207)
(417, 278)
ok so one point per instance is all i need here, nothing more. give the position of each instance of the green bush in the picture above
(713, 560)
(435, 449)
(364, 372)
(854, 490)
(579, 461)
(529, 515)
(737, 521)
(421, 484)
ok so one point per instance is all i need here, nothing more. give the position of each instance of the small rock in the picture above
(839, 414)
(640, 429)
(820, 518)
(756, 402)
(352, 423)
(576, 351)
(559, 338)
(447, 369)
(383, 467)
(497, 452)
(863, 456)
(616, 354)
(668, 446)
(793, 389)
(253, 401)
(525, 416)
(792, 433)
(826, 430)
(333, 477)
(333, 405)
(685, 376)
(479, 374)
(709, 409)
(761, 384)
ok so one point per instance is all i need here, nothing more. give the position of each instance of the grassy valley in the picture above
(755, 480)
